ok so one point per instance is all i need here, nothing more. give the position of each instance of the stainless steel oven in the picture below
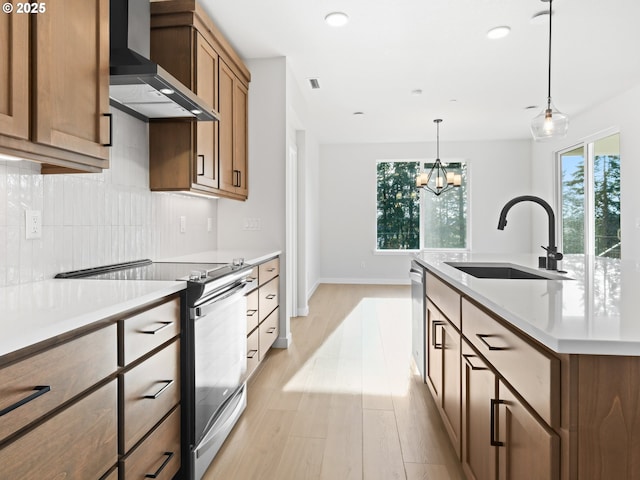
(220, 363)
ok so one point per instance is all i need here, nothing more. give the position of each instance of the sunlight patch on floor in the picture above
(368, 353)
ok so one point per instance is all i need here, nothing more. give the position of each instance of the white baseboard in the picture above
(283, 342)
(302, 312)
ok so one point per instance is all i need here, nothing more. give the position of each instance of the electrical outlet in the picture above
(183, 224)
(33, 224)
(251, 224)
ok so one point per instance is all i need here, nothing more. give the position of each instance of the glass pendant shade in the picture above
(549, 124)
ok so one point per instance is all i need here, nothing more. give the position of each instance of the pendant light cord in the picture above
(549, 78)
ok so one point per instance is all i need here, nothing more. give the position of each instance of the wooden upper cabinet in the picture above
(14, 76)
(203, 157)
(71, 93)
(207, 89)
(64, 93)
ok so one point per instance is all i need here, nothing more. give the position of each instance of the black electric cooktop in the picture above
(148, 270)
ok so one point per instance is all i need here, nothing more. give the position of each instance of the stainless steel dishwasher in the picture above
(418, 314)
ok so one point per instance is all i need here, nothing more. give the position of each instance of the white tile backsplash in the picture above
(96, 219)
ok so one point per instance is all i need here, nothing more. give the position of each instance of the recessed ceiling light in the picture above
(315, 83)
(453, 100)
(358, 114)
(531, 107)
(498, 32)
(337, 19)
(195, 111)
(167, 91)
(417, 92)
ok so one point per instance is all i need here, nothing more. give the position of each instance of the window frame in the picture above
(588, 146)
(423, 192)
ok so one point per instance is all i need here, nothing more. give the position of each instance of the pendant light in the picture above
(438, 180)
(550, 123)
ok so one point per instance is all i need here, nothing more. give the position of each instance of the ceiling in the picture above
(480, 87)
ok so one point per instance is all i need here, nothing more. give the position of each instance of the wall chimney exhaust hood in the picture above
(139, 86)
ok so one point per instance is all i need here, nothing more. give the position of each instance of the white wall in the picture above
(266, 178)
(623, 113)
(499, 171)
(96, 219)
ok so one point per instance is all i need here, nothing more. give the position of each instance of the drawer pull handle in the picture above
(492, 432)
(153, 332)
(483, 338)
(473, 367)
(161, 391)
(251, 353)
(271, 296)
(271, 330)
(251, 313)
(169, 456)
(39, 390)
(272, 269)
(434, 325)
(200, 166)
(110, 117)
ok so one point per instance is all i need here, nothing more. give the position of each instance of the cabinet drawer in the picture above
(252, 279)
(444, 297)
(253, 357)
(147, 330)
(66, 370)
(79, 442)
(268, 299)
(252, 311)
(148, 392)
(158, 454)
(268, 270)
(268, 333)
(534, 374)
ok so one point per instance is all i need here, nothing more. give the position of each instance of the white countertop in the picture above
(597, 312)
(252, 257)
(35, 312)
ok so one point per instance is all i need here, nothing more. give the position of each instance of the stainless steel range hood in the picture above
(139, 86)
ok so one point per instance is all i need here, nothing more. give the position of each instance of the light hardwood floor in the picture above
(342, 402)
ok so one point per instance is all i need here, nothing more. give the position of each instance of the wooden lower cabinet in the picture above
(80, 442)
(528, 449)
(479, 457)
(443, 371)
(148, 392)
(158, 456)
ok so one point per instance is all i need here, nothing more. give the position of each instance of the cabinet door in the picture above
(451, 399)
(207, 132)
(240, 117)
(479, 387)
(433, 340)
(530, 449)
(14, 75)
(70, 93)
(225, 105)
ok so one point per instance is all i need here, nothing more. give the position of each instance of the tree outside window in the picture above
(407, 220)
(590, 198)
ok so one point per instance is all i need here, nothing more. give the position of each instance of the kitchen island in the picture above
(536, 378)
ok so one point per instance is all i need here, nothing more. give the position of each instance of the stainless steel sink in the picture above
(506, 271)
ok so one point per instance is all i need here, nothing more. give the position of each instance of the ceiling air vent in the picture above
(315, 84)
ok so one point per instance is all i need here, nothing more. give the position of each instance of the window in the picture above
(590, 198)
(409, 220)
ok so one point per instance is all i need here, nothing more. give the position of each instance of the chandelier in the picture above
(438, 180)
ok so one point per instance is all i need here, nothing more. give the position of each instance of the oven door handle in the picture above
(211, 305)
